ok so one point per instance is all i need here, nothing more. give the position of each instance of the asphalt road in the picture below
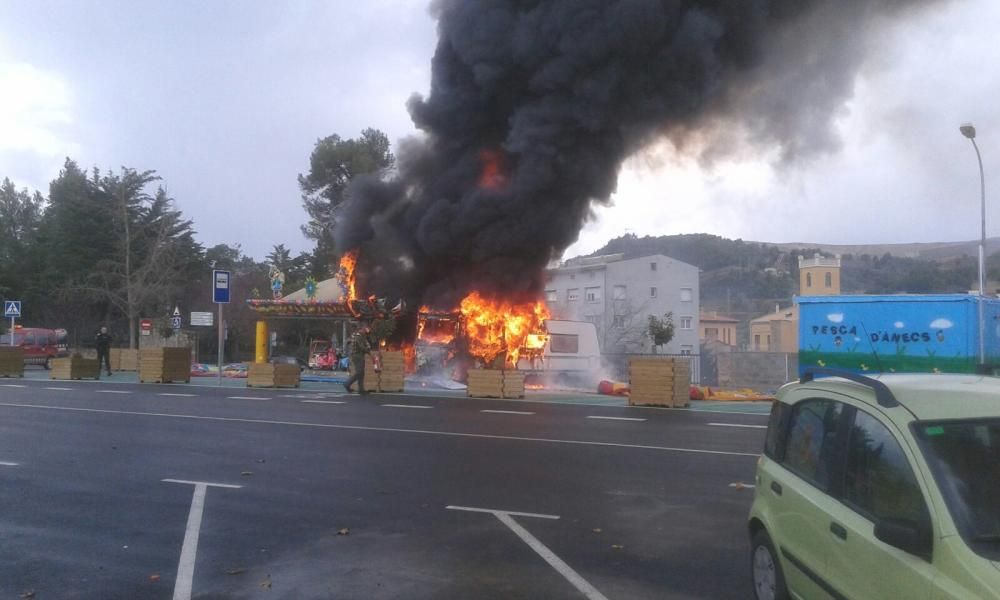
(645, 506)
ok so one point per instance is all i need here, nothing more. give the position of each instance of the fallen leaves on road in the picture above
(246, 473)
(154, 577)
(344, 531)
(261, 461)
(236, 571)
(266, 584)
(28, 595)
(617, 546)
(596, 530)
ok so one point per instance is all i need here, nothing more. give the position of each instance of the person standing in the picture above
(104, 349)
(360, 348)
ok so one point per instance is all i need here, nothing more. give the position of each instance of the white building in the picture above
(619, 295)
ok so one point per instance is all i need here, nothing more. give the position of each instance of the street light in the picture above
(970, 132)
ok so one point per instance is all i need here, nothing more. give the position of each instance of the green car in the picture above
(883, 487)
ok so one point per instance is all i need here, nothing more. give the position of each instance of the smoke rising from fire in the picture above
(535, 104)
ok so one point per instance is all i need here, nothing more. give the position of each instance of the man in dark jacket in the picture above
(104, 349)
(360, 347)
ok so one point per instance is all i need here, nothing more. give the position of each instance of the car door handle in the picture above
(838, 530)
(776, 487)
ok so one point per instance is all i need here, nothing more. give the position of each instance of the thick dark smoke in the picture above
(555, 94)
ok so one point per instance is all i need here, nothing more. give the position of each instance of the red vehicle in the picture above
(322, 355)
(39, 345)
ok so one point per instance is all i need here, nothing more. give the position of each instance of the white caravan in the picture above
(571, 352)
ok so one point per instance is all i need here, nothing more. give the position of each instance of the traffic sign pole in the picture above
(221, 342)
(12, 332)
(220, 295)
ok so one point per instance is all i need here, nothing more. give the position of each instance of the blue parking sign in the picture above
(220, 287)
(12, 309)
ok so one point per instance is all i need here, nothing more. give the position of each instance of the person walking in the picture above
(104, 349)
(360, 348)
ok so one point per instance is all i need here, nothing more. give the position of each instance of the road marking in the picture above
(615, 418)
(739, 425)
(508, 412)
(8, 464)
(740, 485)
(406, 406)
(323, 401)
(485, 436)
(113, 392)
(58, 389)
(206, 483)
(247, 398)
(189, 550)
(541, 549)
(177, 395)
(17, 385)
(493, 511)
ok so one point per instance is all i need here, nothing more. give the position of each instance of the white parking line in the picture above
(406, 406)
(541, 549)
(189, 550)
(739, 425)
(58, 389)
(247, 398)
(740, 485)
(113, 392)
(177, 395)
(17, 385)
(484, 436)
(7, 464)
(615, 418)
(323, 401)
(493, 511)
(508, 412)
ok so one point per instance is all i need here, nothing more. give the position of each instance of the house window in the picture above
(711, 333)
(573, 294)
(686, 350)
(809, 279)
(618, 322)
(592, 275)
(592, 294)
(572, 276)
(652, 266)
(652, 292)
(619, 292)
(756, 341)
(551, 296)
(828, 280)
(687, 294)
(686, 322)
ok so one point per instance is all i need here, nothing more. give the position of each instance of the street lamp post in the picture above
(970, 132)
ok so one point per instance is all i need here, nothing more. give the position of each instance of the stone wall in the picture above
(759, 371)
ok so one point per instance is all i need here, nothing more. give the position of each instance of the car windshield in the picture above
(965, 459)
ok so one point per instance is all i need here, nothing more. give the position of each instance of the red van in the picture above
(40, 345)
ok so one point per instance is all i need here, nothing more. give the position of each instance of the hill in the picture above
(745, 279)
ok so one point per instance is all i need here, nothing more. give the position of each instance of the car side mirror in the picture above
(905, 534)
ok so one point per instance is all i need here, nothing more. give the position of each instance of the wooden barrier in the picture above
(495, 383)
(75, 367)
(272, 375)
(11, 361)
(124, 359)
(659, 381)
(165, 365)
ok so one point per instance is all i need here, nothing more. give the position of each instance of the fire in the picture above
(493, 326)
(346, 277)
(493, 176)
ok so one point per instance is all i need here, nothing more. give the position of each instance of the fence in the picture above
(616, 365)
(760, 371)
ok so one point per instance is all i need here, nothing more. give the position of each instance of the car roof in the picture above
(925, 396)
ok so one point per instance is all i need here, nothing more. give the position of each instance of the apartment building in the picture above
(618, 295)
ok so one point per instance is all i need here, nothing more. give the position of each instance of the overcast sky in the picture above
(225, 100)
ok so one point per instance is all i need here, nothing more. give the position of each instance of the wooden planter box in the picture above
(11, 361)
(391, 378)
(165, 365)
(494, 383)
(272, 375)
(75, 367)
(124, 359)
(657, 381)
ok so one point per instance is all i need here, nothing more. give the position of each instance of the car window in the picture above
(29, 339)
(775, 430)
(812, 437)
(879, 481)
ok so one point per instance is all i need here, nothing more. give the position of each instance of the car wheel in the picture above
(768, 580)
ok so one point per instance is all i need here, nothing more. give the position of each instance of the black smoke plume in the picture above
(534, 104)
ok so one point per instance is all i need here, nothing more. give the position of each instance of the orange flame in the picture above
(493, 326)
(493, 176)
(346, 277)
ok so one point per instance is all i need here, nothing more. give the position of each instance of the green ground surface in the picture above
(898, 362)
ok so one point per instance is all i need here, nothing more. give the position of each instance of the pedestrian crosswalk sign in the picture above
(12, 308)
